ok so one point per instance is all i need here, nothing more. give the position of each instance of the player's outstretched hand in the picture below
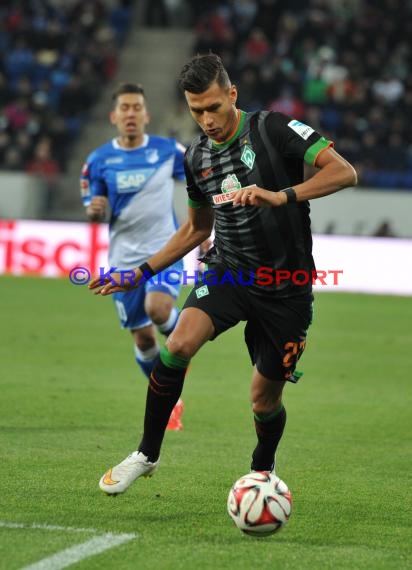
(256, 196)
(116, 283)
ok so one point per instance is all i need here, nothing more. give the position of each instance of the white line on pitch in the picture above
(75, 553)
(6, 524)
(79, 552)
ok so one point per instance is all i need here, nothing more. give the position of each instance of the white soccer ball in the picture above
(259, 504)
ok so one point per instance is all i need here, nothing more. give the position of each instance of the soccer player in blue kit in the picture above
(134, 175)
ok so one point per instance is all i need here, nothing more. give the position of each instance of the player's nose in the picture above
(208, 120)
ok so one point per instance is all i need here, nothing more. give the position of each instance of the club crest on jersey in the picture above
(202, 291)
(230, 183)
(248, 156)
(152, 155)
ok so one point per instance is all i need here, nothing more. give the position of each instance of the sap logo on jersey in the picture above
(131, 180)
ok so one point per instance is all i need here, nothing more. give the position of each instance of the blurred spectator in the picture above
(13, 159)
(384, 230)
(17, 114)
(288, 104)
(47, 169)
(387, 90)
(5, 93)
(42, 162)
(157, 14)
(249, 98)
(88, 13)
(4, 144)
(330, 229)
(256, 47)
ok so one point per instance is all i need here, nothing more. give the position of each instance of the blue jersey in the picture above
(139, 186)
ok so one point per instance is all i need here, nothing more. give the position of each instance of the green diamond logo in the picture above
(248, 156)
(202, 291)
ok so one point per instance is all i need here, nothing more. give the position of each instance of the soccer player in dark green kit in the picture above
(244, 176)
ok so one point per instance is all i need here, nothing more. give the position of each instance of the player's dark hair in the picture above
(201, 71)
(124, 88)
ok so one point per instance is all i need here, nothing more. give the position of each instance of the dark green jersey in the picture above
(268, 149)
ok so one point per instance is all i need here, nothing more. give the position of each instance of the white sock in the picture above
(145, 355)
(146, 358)
(169, 325)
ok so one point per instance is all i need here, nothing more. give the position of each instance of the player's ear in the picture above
(147, 118)
(112, 117)
(233, 94)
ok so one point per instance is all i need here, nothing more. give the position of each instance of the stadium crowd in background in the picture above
(342, 67)
(54, 57)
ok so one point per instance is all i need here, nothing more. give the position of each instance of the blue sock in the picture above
(145, 359)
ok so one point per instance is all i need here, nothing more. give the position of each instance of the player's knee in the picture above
(263, 405)
(159, 311)
(144, 341)
(181, 346)
(158, 315)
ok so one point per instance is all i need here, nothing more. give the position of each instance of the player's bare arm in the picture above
(205, 246)
(192, 233)
(96, 211)
(334, 173)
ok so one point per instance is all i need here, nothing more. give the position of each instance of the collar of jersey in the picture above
(235, 134)
(144, 143)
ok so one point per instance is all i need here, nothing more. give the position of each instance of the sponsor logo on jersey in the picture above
(248, 156)
(152, 155)
(301, 129)
(114, 160)
(132, 180)
(224, 198)
(230, 183)
(230, 186)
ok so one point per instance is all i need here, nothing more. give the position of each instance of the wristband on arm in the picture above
(290, 194)
(146, 269)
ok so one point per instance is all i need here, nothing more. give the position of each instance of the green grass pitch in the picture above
(72, 404)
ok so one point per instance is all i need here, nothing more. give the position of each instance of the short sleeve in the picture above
(178, 166)
(90, 182)
(295, 139)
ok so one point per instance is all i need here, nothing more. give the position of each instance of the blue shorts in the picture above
(130, 305)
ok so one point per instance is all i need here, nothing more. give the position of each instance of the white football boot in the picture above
(119, 478)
